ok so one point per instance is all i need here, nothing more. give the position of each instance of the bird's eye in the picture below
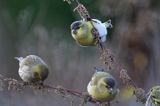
(108, 87)
(78, 27)
(75, 25)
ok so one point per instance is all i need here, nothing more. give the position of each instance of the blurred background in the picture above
(42, 27)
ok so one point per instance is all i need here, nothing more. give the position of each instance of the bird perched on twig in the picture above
(102, 87)
(32, 69)
(154, 97)
(82, 31)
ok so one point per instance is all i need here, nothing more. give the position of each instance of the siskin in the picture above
(154, 97)
(32, 69)
(82, 31)
(102, 87)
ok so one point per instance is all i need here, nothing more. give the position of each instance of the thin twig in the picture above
(13, 84)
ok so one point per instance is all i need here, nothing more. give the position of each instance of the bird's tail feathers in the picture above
(97, 69)
(19, 58)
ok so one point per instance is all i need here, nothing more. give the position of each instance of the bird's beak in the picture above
(111, 91)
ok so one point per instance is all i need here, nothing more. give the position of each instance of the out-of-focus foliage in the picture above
(42, 27)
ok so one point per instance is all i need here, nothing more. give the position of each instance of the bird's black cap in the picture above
(110, 82)
(75, 25)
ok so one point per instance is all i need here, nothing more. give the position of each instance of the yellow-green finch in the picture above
(102, 87)
(154, 97)
(82, 31)
(32, 69)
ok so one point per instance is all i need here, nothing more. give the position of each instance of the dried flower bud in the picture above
(140, 95)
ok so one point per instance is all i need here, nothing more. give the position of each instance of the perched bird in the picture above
(82, 31)
(154, 97)
(102, 87)
(32, 69)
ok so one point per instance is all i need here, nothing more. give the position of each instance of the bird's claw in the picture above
(86, 97)
(108, 104)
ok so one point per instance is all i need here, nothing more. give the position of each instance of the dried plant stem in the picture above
(64, 90)
(126, 79)
(138, 92)
(13, 84)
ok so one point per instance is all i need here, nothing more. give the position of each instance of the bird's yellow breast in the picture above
(86, 38)
(97, 88)
(100, 94)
